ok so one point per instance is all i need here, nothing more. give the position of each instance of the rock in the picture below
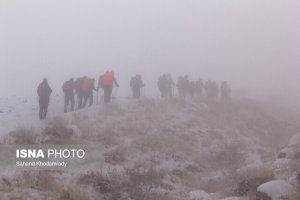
(290, 152)
(285, 153)
(248, 186)
(274, 190)
(281, 155)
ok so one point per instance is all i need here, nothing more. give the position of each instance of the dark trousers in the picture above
(136, 93)
(79, 99)
(69, 98)
(88, 97)
(107, 93)
(44, 102)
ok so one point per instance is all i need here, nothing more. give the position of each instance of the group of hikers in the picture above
(84, 88)
(185, 87)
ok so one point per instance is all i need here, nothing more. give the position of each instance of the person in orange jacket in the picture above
(106, 81)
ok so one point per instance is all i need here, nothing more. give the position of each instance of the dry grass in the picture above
(58, 121)
(74, 192)
(39, 180)
(108, 137)
(171, 146)
(136, 183)
(285, 168)
(295, 195)
(22, 136)
(116, 156)
(109, 185)
(57, 132)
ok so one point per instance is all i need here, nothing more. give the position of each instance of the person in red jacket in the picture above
(44, 91)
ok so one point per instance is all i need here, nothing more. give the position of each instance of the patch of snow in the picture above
(277, 189)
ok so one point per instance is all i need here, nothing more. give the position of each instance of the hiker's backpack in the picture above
(100, 81)
(86, 84)
(68, 86)
(107, 79)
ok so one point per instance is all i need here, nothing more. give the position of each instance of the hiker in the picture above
(192, 87)
(215, 89)
(91, 93)
(212, 89)
(183, 86)
(136, 84)
(165, 85)
(68, 89)
(170, 85)
(162, 85)
(106, 82)
(88, 86)
(78, 88)
(225, 90)
(208, 86)
(100, 86)
(44, 91)
(199, 87)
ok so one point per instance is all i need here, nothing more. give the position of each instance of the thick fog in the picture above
(253, 44)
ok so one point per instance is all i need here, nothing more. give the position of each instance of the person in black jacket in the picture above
(225, 90)
(44, 91)
(136, 84)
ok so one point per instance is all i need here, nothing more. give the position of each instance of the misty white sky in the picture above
(250, 43)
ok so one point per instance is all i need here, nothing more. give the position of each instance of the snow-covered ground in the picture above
(196, 149)
(16, 111)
